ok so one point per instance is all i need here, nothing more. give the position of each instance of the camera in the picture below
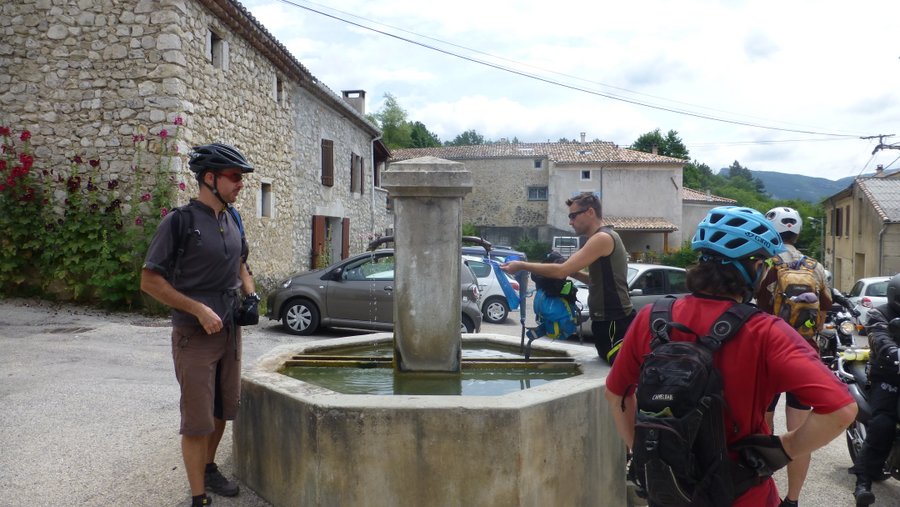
(248, 313)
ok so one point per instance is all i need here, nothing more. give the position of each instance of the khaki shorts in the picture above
(208, 369)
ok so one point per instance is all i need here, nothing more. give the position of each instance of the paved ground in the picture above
(89, 412)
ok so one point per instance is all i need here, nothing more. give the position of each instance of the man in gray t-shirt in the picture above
(197, 265)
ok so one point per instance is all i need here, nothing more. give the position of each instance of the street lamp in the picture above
(820, 224)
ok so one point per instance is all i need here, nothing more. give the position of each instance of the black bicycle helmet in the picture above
(217, 156)
(893, 293)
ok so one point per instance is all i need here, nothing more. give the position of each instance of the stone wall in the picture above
(86, 76)
(500, 193)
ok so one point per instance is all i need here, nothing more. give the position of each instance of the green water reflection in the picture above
(471, 382)
(489, 369)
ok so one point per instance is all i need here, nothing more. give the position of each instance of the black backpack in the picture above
(679, 454)
(555, 287)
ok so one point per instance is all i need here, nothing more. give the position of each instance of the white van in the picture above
(566, 245)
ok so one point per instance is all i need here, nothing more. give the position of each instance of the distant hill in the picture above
(795, 186)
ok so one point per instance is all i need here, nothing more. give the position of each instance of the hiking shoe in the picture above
(201, 502)
(863, 492)
(217, 483)
(789, 503)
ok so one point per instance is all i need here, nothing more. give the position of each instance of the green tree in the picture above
(421, 137)
(742, 177)
(396, 131)
(698, 176)
(670, 146)
(467, 138)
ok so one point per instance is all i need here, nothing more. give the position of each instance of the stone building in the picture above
(520, 190)
(862, 229)
(86, 76)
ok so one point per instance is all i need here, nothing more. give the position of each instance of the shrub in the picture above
(87, 244)
(681, 258)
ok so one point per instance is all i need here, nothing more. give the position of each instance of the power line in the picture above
(526, 64)
(764, 142)
(561, 84)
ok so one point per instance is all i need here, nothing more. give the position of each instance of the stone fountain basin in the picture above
(299, 444)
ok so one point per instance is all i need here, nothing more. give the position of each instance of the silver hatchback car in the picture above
(646, 284)
(867, 293)
(357, 292)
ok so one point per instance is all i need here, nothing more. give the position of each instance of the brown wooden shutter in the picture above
(362, 174)
(327, 162)
(345, 238)
(352, 173)
(318, 239)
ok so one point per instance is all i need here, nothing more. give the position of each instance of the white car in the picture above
(494, 305)
(646, 284)
(867, 293)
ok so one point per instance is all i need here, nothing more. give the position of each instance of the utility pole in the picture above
(881, 145)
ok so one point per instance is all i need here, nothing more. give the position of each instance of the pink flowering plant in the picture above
(21, 201)
(81, 232)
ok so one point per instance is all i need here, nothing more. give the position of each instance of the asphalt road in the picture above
(90, 412)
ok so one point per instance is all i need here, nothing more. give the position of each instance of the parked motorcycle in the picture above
(837, 332)
(851, 366)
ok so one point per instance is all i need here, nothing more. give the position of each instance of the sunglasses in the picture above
(574, 214)
(233, 177)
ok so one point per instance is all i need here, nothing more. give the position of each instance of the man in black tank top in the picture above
(606, 260)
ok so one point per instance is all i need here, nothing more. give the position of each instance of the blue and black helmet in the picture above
(735, 233)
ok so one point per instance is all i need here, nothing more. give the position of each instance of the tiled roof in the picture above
(689, 194)
(657, 224)
(561, 153)
(884, 193)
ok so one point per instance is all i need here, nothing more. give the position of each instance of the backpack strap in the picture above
(727, 325)
(722, 330)
(661, 320)
(237, 218)
(181, 229)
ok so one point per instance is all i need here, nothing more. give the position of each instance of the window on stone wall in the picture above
(354, 173)
(327, 162)
(585, 175)
(847, 221)
(537, 193)
(279, 89)
(537, 163)
(218, 50)
(838, 222)
(362, 174)
(266, 205)
(859, 208)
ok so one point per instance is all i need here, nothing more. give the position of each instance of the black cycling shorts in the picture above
(792, 402)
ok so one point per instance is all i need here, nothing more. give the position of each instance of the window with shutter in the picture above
(328, 162)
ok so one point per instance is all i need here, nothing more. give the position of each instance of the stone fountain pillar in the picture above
(427, 194)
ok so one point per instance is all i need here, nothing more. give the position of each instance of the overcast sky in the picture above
(824, 72)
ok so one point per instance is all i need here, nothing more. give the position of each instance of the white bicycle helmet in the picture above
(785, 220)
